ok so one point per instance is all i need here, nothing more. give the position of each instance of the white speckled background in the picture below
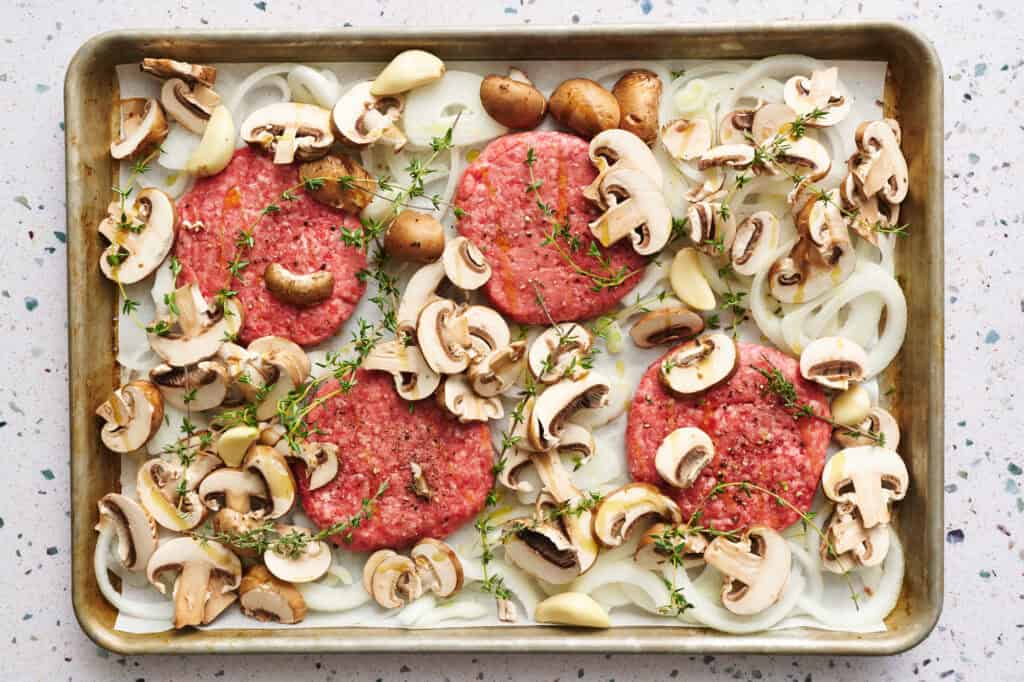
(981, 634)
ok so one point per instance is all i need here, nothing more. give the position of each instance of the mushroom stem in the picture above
(190, 593)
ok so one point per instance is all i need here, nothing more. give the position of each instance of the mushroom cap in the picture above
(143, 128)
(516, 461)
(361, 118)
(710, 232)
(310, 564)
(133, 415)
(200, 330)
(271, 466)
(395, 582)
(497, 371)
(686, 139)
(833, 362)
(584, 106)
(442, 337)
(464, 264)
(866, 214)
(736, 126)
(298, 289)
(557, 404)
(407, 70)
(755, 569)
(727, 155)
(542, 550)
(757, 237)
(135, 529)
(488, 330)
(439, 567)
(666, 326)
(415, 237)
(204, 384)
(619, 512)
(414, 379)
(191, 105)
(635, 206)
(700, 364)
(170, 68)
(578, 442)
(266, 598)
(344, 183)
(650, 552)
(559, 351)
(291, 130)
(135, 253)
(156, 487)
(241, 491)
(175, 554)
(457, 398)
(638, 93)
(682, 455)
(234, 524)
(869, 477)
(808, 155)
(877, 421)
(321, 460)
(513, 101)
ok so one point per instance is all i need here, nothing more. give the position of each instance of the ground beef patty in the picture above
(303, 236)
(378, 437)
(504, 221)
(756, 440)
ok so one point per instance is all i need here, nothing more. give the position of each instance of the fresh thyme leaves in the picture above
(798, 128)
(492, 583)
(898, 230)
(118, 256)
(784, 389)
(586, 502)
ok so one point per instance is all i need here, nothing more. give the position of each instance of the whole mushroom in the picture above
(513, 101)
(584, 106)
(638, 93)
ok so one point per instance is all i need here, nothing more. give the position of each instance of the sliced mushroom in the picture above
(438, 566)
(879, 422)
(407, 70)
(688, 282)
(666, 326)
(879, 166)
(266, 598)
(169, 495)
(558, 486)
(236, 525)
(513, 101)
(621, 512)
(542, 550)
(414, 379)
(416, 237)
(833, 362)
(737, 127)
(615, 148)
(848, 544)
(654, 547)
(806, 155)
(290, 130)
(821, 260)
(133, 415)
(320, 460)
(868, 477)
(700, 364)
(271, 466)
(578, 443)
(635, 208)
(755, 569)
(289, 368)
(170, 68)
(298, 289)
(770, 122)
(584, 106)
(394, 581)
(308, 563)
(866, 215)
(710, 186)
(136, 532)
(361, 118)
(464, 264)
(191, 105)
(457, 398)
(515, 462)
(247, 373)
(206, 573)
(686, 139)
(443, 337)
(555, 405)
(682, 455)
(201, 387)
(237, 490)
(140, 237)
(143, 128)
(819, 92)
(497, 372)
(197, 331)
(710, 230)
(757, 237)
(488, 330)
(727, 155)
(339, 182)
(422, 285)
(638, 93)
(559, 353)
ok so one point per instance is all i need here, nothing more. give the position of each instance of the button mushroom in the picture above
(711, 230)
(196, 331)
(247, 373)
(133, 415)
(143, 128)
(422, 285)
(770, 123)
(621, 512)
(266, 598)
(207, 573)
(542, 550)
(289, 368)
(635, 208)
(661, 540)
(559, 353)
(299, 557)
(136, 532)
(868, 477)
(497, 372)
(464, 264)
(443, 337)
(320, 460)
(808, 157)
(457, 398)
(513, 101)
(515, 463)
(866, 214)
(578, 443)
(638, 93)
(755, 569)
(338, 182)
(682, 455)
(737, 127)
(879, 422)
(737, 156)
(271, 466)
(414, 379)
(821, 260)
(438, 566)
(237, 490)
(407, 70)
(700, 364)
(394, 580)
(847, 544)
(200, 387)
(169, 495)
(584, 106)
(666, 326)
(290, 131)
(614, 148)
(820, 93)
(140, 236)
(555, 405)
(362, 118)
(688, 281)
(879, 166)
(686, 139)
(757, 237)
(298, 289)
(415, 237)
(833, 362)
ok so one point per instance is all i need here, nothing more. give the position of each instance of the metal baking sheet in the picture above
(913, 95)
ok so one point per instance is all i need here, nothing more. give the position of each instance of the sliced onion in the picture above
(464, 609)
(322, 597)
(649, 594)
(177, 147)
(267, 77)
(313, 87)
(432, 109)
(763, 304)
(412, 612)
(159, 610)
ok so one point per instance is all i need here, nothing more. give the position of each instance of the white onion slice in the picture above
(161, 610)
(177, 147)
(322, 597)
(763, 304)
(458, 610)
(650, 592)
(313, 87)
(411, 613)
(432, 109)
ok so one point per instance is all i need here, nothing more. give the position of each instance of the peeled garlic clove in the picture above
(688, 281)
(408, 70)
(233, 443)
(572, 608)
(851, 407)
(216, 147)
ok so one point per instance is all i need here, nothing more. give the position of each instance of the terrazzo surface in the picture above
(981, 632)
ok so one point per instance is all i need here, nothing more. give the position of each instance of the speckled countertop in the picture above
(981, 633)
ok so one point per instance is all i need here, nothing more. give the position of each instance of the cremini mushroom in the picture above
(807, 156)
(370, 567)
(217, 146)
(822, 259)
(686, 139)
(407, 70)
(271, 466)
(319, 459)
(700, 364)
(414, 379)
(488, 330)
(755, 569)
(736, 127)
(305, 560)
(235, 525)
(559, 352)
(712, 230)
(438, 566)
(207, 576)
(638, 93)
(443, 337)
(866, 215)
(851, 407)
(666, 326)
(879, 166)
(516, 462)
(266, 598)
(869, 477)
(848, 544)
(169, 68)
(133, 415)
(415, 237)
(287, 366)
(420, 290)
(737, 156)
(584, 106)
(513, 101)
(143, 128)
(688, 282)
(542, 549)
(661, 539)
(555, 405)
(237, 490)
(833, 362)
(635, 207)
(290, 130)
(394, 580)
(190, 104)
(624, 510)
(756, 238)
(298, 289)
(572, 608)
(169, 494)
(878, 422)
(457, 398)
(771, 122)
(497, 372)
(612, 148)
(200, 387)
(362, 118)
(135, 530)
(197, 331)
(339, 182)
(682, 455)
(464, 264)
(819, 93)
(140, 236)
